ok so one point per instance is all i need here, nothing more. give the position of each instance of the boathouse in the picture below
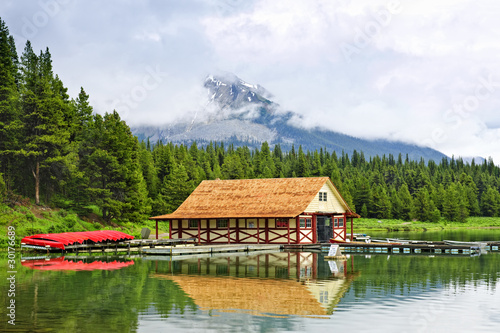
(262, 211)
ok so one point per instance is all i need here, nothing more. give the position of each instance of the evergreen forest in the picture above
(56, 151)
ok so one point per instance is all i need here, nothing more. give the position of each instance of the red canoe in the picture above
(59, 241)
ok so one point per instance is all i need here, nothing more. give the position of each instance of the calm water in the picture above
(273, 292)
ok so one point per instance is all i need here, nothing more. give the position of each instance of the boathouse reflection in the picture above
(271, 284)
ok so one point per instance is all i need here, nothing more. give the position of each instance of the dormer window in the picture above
(322, 196)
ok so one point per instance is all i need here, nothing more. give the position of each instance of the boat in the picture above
(61, 240)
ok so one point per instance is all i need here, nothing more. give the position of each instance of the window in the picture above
(281, 223)
(335, 222)
(338, 222)
(341, 222)
(251, 225)
(193, 224)
(222, 223)
(322, 196)
(305, 222)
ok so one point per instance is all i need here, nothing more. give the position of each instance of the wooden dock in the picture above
(134, 245)
(159, 247)
(210, 249)
(188, 246)
(360, 247)
(407, 247)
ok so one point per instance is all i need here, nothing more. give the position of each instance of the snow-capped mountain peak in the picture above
(229, 91)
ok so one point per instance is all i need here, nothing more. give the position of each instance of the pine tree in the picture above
(381, 206)
(9, 104)
(302, 165)
(45, 133)
(362, 196)
(490, 202)
(176, 188)
(266, 167)
(109, 159)
(454, 204)
(232, 167)
(423, 206)
(406, 202)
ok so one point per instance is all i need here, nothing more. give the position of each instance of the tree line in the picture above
(57, 150)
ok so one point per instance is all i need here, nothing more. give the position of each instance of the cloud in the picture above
(411, 71)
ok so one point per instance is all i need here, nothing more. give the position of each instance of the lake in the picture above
(269, 292)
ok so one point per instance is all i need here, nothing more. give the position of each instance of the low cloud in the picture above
(382, 69)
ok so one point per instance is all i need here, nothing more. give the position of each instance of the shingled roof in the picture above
(240, 198)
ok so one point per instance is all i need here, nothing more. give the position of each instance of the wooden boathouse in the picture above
(262, 211)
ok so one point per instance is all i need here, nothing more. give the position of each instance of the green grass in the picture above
(362, 224)
(36, 220)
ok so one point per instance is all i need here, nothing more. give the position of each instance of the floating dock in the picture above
(108, 241)
(134, 245)
(204, 249)
(157, 247)
(404, 247)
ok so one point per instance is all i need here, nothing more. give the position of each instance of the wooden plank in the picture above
(259, 247)
(229, 248)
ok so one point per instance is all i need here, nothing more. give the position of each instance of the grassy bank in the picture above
(30, 219)
(364, 224)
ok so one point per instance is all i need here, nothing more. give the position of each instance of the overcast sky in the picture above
(425, 72)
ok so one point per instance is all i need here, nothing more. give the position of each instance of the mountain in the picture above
(240, 113)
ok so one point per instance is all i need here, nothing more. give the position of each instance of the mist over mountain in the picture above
(240, 113)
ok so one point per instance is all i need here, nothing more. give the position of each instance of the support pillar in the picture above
(315, 229)
(352, 229)
(297, 228)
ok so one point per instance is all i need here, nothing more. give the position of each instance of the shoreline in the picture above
(392, 225)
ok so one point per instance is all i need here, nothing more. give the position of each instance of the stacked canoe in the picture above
(61, 240)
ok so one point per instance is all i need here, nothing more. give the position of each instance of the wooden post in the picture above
(352, 229)
(199, 231)
(297, 228)
(156, 229)
(288, 231)
(169, 229)
(267, 231)
(237, 221)
(208, 231)
(315, 230)
(344, 236)
(179, 227)
(258, 230)
(228, 231)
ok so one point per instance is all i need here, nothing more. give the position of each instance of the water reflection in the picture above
(273, 292)
(74, 264)
(277, 284)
